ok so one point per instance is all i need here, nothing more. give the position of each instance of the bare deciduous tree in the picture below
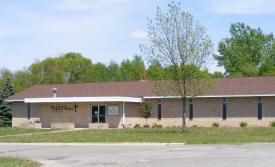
(182, 46)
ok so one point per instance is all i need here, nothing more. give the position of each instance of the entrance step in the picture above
(99, 125)
(62, 125)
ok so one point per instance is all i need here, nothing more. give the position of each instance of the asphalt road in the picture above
(59, 155)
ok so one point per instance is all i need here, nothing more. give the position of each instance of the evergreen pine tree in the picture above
(5, 107)
(1, 100)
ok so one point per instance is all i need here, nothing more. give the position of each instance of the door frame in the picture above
(91, 113)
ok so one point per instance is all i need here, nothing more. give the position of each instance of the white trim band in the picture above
(203, 96)
(83, 99)
(15, 100)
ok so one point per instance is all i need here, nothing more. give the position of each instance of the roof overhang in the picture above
(14, 100)
(209, 96)
(83, 99)
(123, 99)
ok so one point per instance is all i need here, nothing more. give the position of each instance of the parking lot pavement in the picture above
(145, 155)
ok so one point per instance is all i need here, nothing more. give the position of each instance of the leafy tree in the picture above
(22, 80)
(132, 70)
(47, 71)
(146, 110)
(267, 67)
(5, 107)
(76, 67)
(248, 52)
(217, 74)
(113, 71)
(182, 46)
(99, 73)
(156, 72)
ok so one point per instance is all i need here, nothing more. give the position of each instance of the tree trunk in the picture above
(183, 114)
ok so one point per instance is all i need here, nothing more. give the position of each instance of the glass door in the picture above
(94, 114)
(97, 114)
(101, 114)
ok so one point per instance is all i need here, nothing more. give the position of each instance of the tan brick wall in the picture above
(205, 112)
(19, 113)
(171, 113)
(81, 118)
(114, 121)
(242, 107)
(268, 106)
(207, 107)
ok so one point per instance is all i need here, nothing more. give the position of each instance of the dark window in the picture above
(191, 109)
(260, 104)
(98, 114)
(159, 109)
(101, 114)
(29, 111)
(224, 109)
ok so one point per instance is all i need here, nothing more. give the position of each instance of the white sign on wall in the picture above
(113, 110)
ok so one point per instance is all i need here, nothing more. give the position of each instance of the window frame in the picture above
(224, 109)
(159, 109)
(191, 109)
(260, 108)
(29, 111)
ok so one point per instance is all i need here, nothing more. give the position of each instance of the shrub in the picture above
(36, 121)
(137, 126)
(194, 126)
(145, 109)
(156, 126)
(215, 124)
(146, 126)
(272, 124)
(243, 124)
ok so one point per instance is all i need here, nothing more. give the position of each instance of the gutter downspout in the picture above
(123, 113)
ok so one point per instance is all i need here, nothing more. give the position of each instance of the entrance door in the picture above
(97, 114)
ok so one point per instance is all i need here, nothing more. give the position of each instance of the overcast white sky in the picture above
(108, 29)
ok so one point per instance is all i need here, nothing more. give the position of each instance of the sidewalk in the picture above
(28, 134)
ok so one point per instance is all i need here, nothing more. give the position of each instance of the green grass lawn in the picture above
(194, 135)
(14, 131)
(17, 162)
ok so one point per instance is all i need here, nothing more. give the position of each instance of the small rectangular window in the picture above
(260, 105)
(224, 115)
(191, 109)
(159, 109)
(29, 111)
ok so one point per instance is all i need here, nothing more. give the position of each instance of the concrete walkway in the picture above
(144, 154)
(28, 134)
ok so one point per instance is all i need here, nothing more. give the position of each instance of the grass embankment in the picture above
(17, 162)
(4, 131)
(194, 135)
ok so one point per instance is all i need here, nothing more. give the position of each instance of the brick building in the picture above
(114, 104)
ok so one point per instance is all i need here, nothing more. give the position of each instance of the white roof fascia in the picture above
(204, 96)
(83, 99)
(15, 100)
